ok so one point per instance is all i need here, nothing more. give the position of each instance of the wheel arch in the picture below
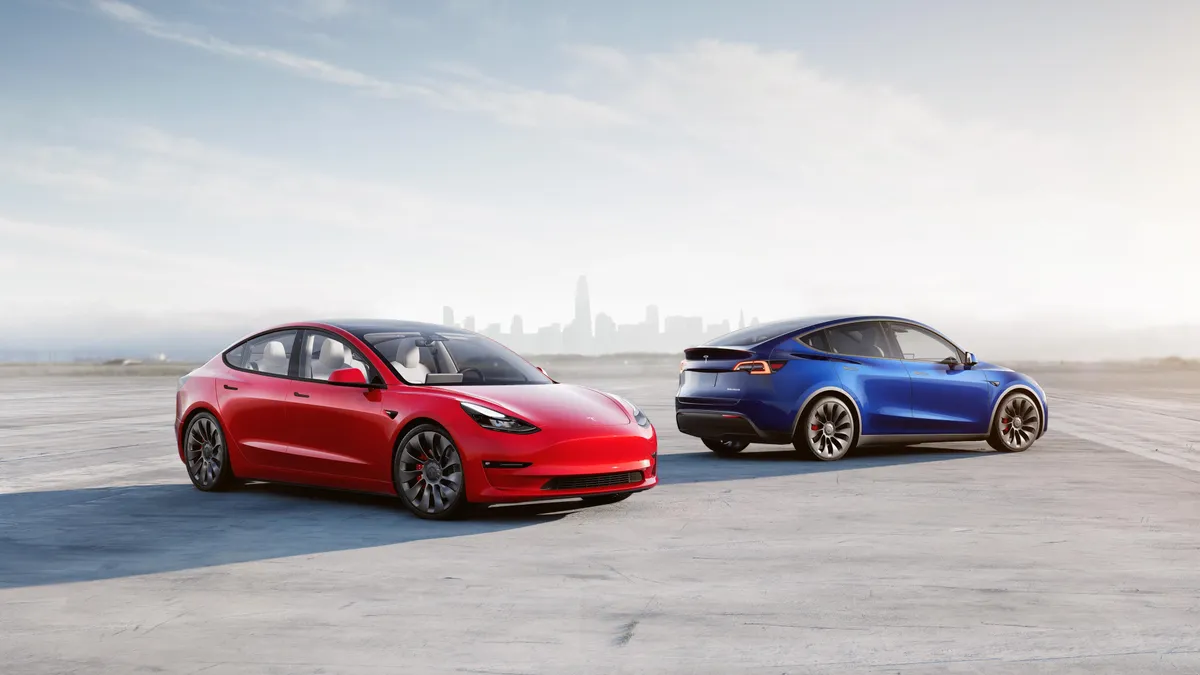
(408, 426)
(837, 392)
(1018, 388)
(196, 409)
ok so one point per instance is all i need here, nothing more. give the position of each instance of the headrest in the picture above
(333, 354)
(274, 350)
(413, 358)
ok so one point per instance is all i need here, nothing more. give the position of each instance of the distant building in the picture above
(447, 316)
(606, 334)
(741, 319)
(469, 323)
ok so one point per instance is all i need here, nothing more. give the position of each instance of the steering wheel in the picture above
(464, 371)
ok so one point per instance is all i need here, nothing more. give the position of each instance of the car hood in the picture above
(991, 366)
(542, 404)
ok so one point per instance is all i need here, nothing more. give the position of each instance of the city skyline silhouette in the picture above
(595, 334)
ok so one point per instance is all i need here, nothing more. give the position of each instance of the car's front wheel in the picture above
(725, 447)
(429, 475)
(1017, 425)
(207, 454)
(827, 431)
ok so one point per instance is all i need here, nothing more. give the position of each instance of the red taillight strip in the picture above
(754, 367)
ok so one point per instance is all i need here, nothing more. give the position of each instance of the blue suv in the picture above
(830, 384)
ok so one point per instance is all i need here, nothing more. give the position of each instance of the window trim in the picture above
(293, 358)
(306, 330)
(958, 353)
(885, 325)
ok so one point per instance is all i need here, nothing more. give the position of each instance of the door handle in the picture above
(919, 372)
(298, 394)
(231, 388)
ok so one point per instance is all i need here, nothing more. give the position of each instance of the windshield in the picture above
(448, 357)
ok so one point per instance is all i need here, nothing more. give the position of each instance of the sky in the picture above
(175, 161)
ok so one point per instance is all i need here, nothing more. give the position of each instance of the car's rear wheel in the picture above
(207, 454)
(598, 500)
(429, 474)
(1017, 425)
(828, 430)
(725, 447)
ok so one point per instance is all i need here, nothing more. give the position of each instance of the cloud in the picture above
(508, 104)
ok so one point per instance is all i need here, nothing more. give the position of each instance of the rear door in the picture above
(252, 397)
(874, 374)
(339, 431)
(947, 398)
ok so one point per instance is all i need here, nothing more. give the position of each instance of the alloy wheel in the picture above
(830, 429)
(430, 473)
(1019, 422)
(205, 452)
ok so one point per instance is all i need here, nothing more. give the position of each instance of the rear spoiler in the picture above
(716, 354)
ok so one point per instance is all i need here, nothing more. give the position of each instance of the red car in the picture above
(440, 416)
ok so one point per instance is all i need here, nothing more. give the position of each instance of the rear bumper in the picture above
(723, 424)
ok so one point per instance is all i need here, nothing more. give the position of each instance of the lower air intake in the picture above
(598, 480)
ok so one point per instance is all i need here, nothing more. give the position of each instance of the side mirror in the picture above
(971, 360)
(348, 376)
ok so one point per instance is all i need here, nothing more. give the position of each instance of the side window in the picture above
(236, 357)
(270, 353)
(857, 339)
(816, 340)
(322, 354)
(917, 344)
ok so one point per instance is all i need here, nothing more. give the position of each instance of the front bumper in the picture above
(572, 464)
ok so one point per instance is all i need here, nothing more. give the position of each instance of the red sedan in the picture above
(440, 416)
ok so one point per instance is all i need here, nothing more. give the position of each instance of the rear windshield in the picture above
(755, 334)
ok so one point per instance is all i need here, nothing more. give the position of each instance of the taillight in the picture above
(760, 367)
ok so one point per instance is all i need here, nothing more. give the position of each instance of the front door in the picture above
(339, 431)
(947, 397)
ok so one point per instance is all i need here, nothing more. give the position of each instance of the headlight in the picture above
(638, 415)
(496, 420)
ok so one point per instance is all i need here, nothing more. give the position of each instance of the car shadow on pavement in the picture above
(102, 533)
(781, 460)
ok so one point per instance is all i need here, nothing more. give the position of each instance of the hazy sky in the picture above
(361, 157)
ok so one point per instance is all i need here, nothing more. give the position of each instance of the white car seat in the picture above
(352, 362)
(274, 359)
(333, 357)
(408, 364)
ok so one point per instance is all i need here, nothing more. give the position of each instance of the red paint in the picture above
(340, 434)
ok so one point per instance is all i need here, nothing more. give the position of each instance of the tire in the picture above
(1017, 424)
(827, 430)
(428, 473)
(725, 448)
(206, 454)
(599, 500)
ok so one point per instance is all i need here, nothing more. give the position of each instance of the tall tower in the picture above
(583, 308)
(447, 316)
(741, 319)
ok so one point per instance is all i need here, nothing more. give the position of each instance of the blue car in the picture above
(830, 384)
